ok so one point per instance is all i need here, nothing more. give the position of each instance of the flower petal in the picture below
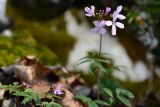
(109, 23)
(92, 8)
(89, 15)
(113, 29)
(108, 9)
(90, 11)
(120, 25)
(95, 30)
(96, 23)
(121, 17)
(102, 23)
(58, 90)
(87, 9)
(115, 13)
(119, 8)
(102, 31)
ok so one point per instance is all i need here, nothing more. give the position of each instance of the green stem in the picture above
(17, 101)
(98, 95)
(100, 46)
(98, 72)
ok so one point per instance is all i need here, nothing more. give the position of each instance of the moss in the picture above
(51, 34)
(23, 44)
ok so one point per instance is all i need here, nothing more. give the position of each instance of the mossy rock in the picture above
(52, 33)
(22, 44)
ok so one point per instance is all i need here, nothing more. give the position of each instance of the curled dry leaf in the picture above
(24, 73)
(75, 78)
(41, 87)
(78, 85)
(2, 91)
(69, 101)
(29, 69)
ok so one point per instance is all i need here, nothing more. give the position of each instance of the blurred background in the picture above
(58, 32)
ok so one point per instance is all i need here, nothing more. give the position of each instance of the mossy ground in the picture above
(47, 40)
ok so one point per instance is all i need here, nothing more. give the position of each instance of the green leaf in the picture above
(83, 58)
(83, 98)
(92, 104)
(44, 103)
(128, 94)
(110, 69)
(4, 86)
(81, 62)
(28, 90)
(53, 104)
(124, 96)
(100, 66)
(105, 61)
(108, 92)
(91, 67)
(19, 93)
(49, 105)
(13, 89)
(36, 98)
(101, 102)
(27, 99)
(15, 83)
(86, 100)
(111, 101)
(106, 54)
(124, 100)
(124, 92)
(57, 105)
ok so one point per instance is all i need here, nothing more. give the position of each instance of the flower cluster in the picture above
(58, 90)
(101, 21)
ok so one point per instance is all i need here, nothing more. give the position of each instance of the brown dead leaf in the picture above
(41, 87)
(24, 73)
(69, 101)
(29, 69)
(2, 91)
(71, 80)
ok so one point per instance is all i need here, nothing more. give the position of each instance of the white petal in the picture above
(115, 13)
(119, 8)
(95, 30)
(102, 31)
(89, 15)
(92, 8)
(87, 9)
(102, 23)
(113, 29)
(96, 23)
(109, 23)
(121, 17)
(120, 25)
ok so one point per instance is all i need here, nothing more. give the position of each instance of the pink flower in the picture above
(108, 9)
(99, 27)
(90, 11)
(116, 14)
(114, 23)
(58, 90)
(26, 85)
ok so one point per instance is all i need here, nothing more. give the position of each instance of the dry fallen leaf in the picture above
(29, 69)
(41, 87)
(2, 91)
(69, 101)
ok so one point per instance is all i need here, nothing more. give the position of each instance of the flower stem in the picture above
(98, 96)
(17, 101)
(98, 72)
(100, 46)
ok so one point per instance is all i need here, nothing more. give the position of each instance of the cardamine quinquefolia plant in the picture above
(102, 20)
